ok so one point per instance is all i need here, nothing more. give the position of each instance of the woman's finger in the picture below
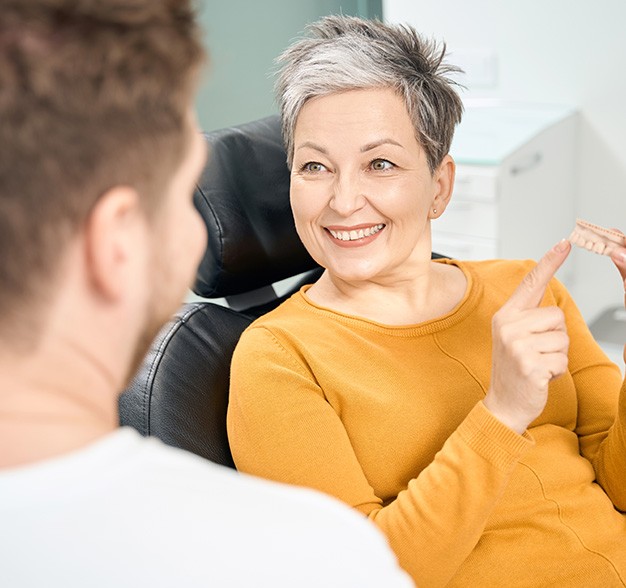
(549, 342)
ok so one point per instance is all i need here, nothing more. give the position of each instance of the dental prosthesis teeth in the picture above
(595, 238)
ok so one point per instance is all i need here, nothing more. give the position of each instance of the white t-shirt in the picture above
(130, 511)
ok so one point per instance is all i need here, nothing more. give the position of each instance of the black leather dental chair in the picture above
(180, 393)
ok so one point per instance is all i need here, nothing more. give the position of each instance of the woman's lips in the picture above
(356, 236)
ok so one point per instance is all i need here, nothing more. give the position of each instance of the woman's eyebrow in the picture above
(374, 144)
(312, 145)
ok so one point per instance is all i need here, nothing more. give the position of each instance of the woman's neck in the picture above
(432, 292)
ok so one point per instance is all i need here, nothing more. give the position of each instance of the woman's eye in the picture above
(313, 167)
(381, 165)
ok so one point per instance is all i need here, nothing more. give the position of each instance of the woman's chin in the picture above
(353, 275)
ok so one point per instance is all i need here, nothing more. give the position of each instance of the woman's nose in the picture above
(347, 196)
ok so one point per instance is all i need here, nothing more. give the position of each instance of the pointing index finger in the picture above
(532, 288)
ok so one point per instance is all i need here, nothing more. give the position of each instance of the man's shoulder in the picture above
(132, 495)
(251, 514)
(299, 522)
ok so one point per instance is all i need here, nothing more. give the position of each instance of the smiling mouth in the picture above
(357, 234)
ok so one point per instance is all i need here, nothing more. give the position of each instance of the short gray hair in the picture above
(344, 53)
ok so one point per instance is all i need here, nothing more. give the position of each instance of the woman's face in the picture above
(361, 191)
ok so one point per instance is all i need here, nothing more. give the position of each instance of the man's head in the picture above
(95, 99)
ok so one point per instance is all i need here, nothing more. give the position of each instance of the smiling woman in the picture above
(362, 196)
(462, 406)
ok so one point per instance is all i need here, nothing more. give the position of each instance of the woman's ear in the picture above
(444, 183)
(114, 237)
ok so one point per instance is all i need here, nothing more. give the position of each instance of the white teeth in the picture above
(354, 235)
(596, 238)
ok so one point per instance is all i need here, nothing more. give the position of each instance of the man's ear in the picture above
(113, 237)
(444, 184)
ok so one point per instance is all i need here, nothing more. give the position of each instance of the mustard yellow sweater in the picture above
(390, 420)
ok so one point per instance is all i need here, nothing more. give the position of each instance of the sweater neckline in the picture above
(456, 315)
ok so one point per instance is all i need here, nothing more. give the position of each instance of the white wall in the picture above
(550, 51)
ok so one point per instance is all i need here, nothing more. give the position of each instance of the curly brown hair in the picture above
(93, 94)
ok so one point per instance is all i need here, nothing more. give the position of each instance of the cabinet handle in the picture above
(524, 166)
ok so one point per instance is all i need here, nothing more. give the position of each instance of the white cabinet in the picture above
(514, 188)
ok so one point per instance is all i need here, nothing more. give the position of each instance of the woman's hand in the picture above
(619, 259)
(530, 346)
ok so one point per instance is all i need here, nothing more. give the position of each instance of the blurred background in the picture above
(543, 141)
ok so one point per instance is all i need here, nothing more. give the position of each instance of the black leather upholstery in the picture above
(243, 196)
(180, 393)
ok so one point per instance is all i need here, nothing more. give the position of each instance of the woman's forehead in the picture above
(362, 118)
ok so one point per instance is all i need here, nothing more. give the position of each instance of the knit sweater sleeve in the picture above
(610, 458)
(282, 427)
(601, 418)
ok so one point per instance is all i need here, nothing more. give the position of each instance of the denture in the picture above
(596, 238)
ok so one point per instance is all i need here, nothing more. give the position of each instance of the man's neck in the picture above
(31, 438)
(52, 404)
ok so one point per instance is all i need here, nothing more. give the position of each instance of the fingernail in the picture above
(562, 245)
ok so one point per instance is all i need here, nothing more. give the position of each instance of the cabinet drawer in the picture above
(477, 219)
(465, 248)
(476, 183)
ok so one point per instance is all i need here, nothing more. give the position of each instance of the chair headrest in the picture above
(243, 196)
